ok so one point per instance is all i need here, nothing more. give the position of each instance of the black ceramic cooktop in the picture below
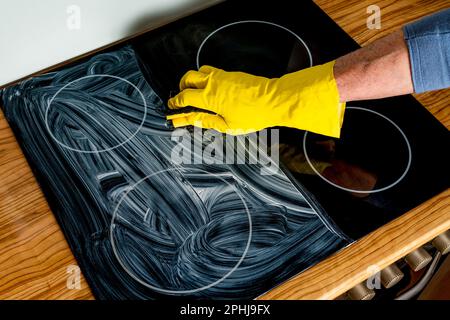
(142, 227)
(393, 153)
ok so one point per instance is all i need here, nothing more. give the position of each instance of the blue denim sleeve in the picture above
(428, 41)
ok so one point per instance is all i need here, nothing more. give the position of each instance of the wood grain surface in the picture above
(34, 256)
(356, 263)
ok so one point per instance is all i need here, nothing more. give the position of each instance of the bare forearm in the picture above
(381, 69)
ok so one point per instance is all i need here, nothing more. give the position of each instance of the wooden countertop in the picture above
(35, 258)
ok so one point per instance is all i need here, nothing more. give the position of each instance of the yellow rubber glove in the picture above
(243, 103)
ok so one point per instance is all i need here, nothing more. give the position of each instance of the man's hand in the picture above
(242, 103)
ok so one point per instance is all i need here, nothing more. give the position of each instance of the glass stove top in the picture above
(392, 153)
(391, 157)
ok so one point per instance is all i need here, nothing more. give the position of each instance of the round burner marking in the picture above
(408, 166)
(62, 144)
(252, 21)
(168, 291)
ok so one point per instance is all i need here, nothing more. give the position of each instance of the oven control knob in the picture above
(442, 243)
(390, 276)
(418, 259)
(361, 292)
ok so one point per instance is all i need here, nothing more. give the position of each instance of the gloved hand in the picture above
(243, 103)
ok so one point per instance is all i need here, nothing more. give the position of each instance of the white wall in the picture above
(37, 34)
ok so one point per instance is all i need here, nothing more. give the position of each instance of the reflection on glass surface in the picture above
(372, 155)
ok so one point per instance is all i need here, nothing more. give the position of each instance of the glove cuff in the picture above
(319, 109)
